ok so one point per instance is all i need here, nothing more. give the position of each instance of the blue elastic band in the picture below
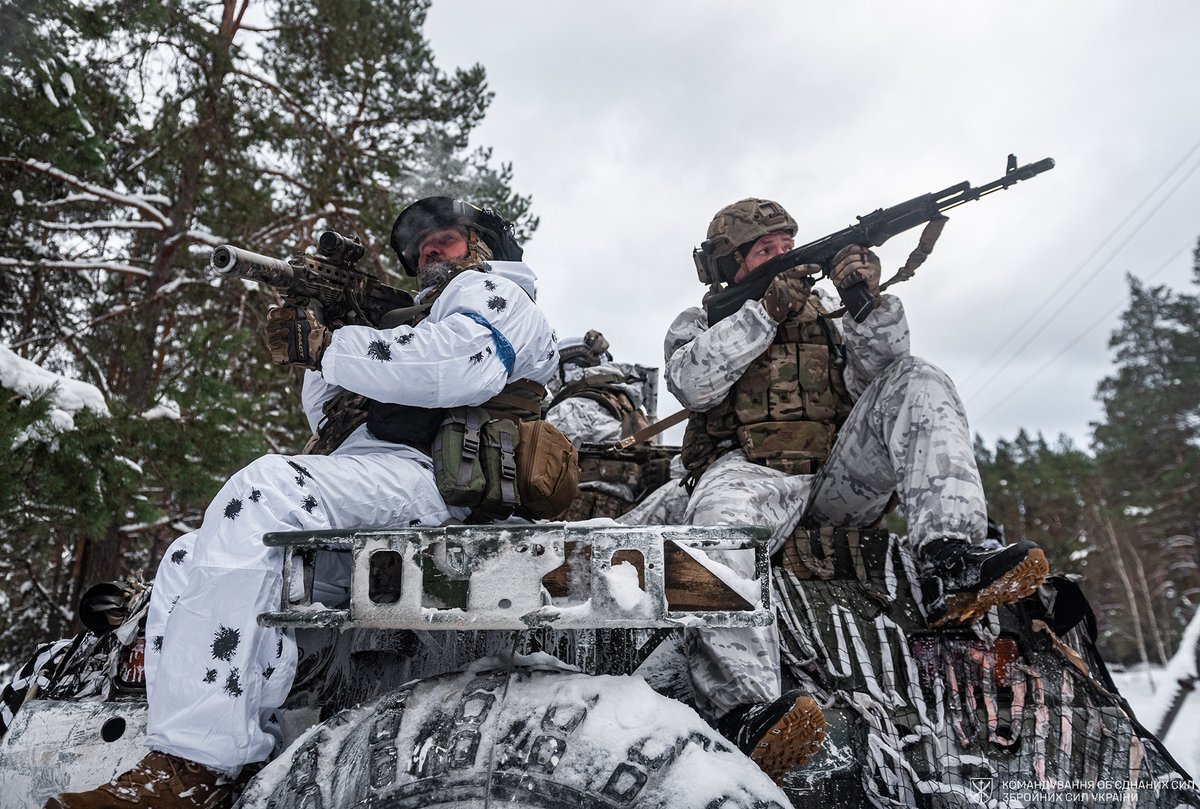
(504, 349)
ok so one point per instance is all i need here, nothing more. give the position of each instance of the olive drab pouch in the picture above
(500, 439)
(457, 466)
(548, 470)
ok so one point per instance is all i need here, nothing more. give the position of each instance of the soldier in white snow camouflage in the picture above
(599, 401)
(214, 677)
(595, 400)
(801, 419)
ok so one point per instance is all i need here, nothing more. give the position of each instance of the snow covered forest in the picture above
(135, 136)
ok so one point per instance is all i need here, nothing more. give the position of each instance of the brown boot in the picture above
(159, 781)
(779, 735)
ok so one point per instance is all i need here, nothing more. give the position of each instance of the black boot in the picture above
(961, 581)
(777, 736)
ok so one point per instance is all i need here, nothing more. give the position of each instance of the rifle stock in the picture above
(871, 230)
(328, 281)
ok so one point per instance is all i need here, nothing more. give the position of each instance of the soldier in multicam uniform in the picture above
(796, 423)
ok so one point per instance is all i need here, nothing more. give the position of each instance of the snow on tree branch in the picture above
(82, 266)
(131, 200)
(102, 224)
(28, 380)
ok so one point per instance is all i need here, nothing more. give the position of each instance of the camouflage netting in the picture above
(1005, 713)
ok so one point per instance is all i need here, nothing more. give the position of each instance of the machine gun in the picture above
(871, 230)
(328, 281)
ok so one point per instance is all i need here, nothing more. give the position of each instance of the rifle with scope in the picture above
(327, 281)
(871, 230)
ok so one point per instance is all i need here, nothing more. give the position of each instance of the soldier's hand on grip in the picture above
(296, 337)
(789, 291)
(856, 263)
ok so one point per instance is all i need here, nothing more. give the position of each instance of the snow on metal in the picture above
(482, 578)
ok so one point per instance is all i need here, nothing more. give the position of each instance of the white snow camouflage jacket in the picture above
(483, 331)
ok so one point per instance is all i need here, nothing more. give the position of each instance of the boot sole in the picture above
(791, 741)
(1019, 582)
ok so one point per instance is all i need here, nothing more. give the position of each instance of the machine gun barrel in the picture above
(230, 260)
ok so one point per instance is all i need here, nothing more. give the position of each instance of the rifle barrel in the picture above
(230, 260)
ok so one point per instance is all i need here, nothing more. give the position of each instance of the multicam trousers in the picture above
(907, 434)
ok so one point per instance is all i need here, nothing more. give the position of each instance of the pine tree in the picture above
(138, 135)
(1148, 446)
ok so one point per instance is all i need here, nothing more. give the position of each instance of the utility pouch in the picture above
(793, 446)
(547, 468)
(501, 438)
(457, 465)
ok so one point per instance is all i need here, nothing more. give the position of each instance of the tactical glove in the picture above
(853, 264)
(789, 292)
(296, 337)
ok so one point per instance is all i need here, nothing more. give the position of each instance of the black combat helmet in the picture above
(434, 213)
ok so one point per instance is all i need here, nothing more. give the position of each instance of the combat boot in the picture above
(158, 781)
(777, 736)
(961, 581)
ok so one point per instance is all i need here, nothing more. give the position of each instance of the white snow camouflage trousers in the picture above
(907, 433)
(213, 675)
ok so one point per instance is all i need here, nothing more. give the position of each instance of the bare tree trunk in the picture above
(1150, 613)
(142, 379)
(1130, 596)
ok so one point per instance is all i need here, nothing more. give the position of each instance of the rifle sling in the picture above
(929, 237)
(653, 430)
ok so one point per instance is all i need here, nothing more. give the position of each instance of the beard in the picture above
(435, 273)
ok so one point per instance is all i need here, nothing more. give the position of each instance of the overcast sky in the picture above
(632, 123)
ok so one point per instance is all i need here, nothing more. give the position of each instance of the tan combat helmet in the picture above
(735, 226)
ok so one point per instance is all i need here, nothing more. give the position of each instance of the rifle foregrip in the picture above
(858, 300)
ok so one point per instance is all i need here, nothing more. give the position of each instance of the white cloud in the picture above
(632, 123)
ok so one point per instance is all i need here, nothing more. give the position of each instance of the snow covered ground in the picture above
(1152, 689)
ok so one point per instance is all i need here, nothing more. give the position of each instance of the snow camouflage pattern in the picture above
(666, 505)
(586, 421)
(33, 674)
(608, 487)
(213, 675)
(907, 433)
(1019, 711)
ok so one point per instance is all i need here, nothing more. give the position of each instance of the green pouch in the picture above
(457, 456)
(499, 459)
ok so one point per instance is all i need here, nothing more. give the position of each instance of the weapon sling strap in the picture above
(653, 430)
(574, 388)
(929, 236)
